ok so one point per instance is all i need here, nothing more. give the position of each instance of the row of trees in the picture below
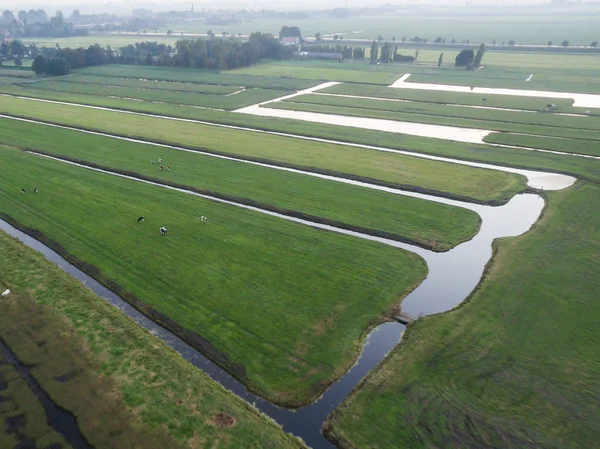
(36, 23)
(389, 52)
(468, 58)
(347, 51)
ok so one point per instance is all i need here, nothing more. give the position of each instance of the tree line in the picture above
(36, 23)
(215, 54)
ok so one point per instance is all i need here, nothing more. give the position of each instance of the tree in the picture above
(335, 37)
(494, 42)
(22, 15)
(210, 34)
(380, 38)
(565, 43)
(374, 51)
(416, 54)
(438, 40)
(440, 59)
(290, 32)
(318, 37)
(512, 43)
(594, 44)
(549, 43)
(148, 60)
(39, 65)
(18, 62)
(464, 58)
(58, 67)
(8, 16)
(479, 55)
(393, 38)
(386, 51)
(17, 48)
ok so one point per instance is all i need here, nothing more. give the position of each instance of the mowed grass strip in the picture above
(284, 307)
(579, 146)
(197, 76)
(374, 166)
(244, 98)
(127, 388)
(425, 223)
(523, 117)
(472, 99)
(149, 84)
(514, 367)
(483, 123)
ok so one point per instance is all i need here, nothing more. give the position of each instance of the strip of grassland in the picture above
(197, 76)
(591, 147)
(470, 152)
(282, 306)
(514, 367)
(145, 84)
(441, 120)
(125, 386)
(457, 111)
(412, 173)
(244, 98)
(339, 73)
(443, 97)
(425, 223)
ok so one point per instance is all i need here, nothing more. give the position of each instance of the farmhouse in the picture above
(289, 41)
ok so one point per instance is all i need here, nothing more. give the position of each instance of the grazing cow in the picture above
(35, 190)
(204, 219)
(168, 168)
(161, 167)
(151, 162)
(141, 219)
(22, 190)
(5, 293)
(160, 160)
(163, 231)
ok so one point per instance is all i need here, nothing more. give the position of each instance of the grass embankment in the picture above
(197, 76)
(425, 223)
(206, 100)
(396, 170)
(127, 388)
(515, 367)
(480, 153)
(579, 146)
(282, 306)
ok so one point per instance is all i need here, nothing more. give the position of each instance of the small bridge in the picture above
(404, 318)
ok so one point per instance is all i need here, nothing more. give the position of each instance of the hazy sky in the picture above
(125, 6)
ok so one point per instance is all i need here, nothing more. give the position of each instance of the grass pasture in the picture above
(433, 225)
(127, 388)
(241, 99)
(514, 367)
(374, 166)
(261, 291)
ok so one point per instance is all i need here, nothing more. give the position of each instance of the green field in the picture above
(514, 367)
(387, 168)
(126, 387)
(586, 138)
(233, 281)
(433, 225)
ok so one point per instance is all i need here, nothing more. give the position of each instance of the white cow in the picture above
(204, 219)
(5, 293)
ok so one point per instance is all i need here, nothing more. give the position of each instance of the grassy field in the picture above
(196, 76)
(126, 387)
(515, 367)
(587, 139)
(244, 98)
(425, 223)
(233, 281)
(402, 171)
(591, 147)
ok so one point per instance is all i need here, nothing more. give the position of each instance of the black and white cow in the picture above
(163, 231)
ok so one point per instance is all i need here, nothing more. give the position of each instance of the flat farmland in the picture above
(233, 281)
(223, 101)
(433, 225)
(383, 167)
